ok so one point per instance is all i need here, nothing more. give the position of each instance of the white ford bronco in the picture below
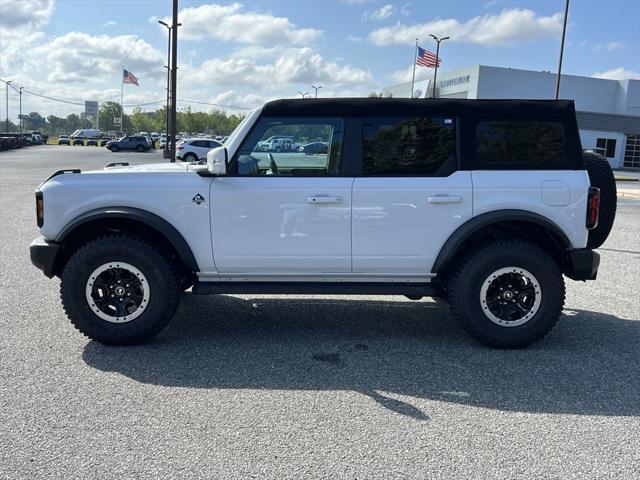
(485, 202)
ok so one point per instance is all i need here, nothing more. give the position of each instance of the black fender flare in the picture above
(463, 232)
(173, 236)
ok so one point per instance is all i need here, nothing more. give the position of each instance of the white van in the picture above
(86, 133)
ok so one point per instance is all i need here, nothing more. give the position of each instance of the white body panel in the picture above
(400, 223)
(558, 195)
(166, 190)
(271, 224)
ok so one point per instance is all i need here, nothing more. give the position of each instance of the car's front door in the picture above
(410, 197)
(279, 213)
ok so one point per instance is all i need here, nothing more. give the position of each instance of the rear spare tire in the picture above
(601, 176)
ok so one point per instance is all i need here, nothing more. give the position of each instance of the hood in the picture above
(148, 168)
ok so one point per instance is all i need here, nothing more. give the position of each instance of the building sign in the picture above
(116, 120)
(90, 108)
(450, 82)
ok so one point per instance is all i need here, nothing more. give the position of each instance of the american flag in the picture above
(128, 77)
(426, 58)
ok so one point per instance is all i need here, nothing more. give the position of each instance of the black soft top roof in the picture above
(420, 106)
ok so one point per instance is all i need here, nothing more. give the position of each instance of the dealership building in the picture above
(608, 111)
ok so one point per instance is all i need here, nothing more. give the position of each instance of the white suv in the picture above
(194, 149)
(487, 203)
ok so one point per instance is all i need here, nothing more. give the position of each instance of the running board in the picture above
(333, 288)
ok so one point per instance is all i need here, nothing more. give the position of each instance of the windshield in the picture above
(233, 135)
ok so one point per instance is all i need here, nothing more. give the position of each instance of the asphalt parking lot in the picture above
(249, 386)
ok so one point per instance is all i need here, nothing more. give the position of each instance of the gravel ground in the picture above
(246, 386)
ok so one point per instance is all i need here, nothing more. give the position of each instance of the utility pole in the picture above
(316, 89)
(6, 94)
(174, 74)
(564, 31)
(415, 59)
(165, 153)
(435, 72)
(20, 116)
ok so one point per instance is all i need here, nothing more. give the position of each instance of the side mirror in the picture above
(217, 161)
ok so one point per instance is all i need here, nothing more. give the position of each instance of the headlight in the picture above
(39, 209)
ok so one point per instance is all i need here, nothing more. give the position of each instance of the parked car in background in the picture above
(195, 149)
(155, 135)
(315, 148)
(7, 142)
(77, 141)
(104, 140)
(92, 142)
(162, 143)
(63, 140)
(133, 142)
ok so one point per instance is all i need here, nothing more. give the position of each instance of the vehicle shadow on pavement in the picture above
(587, 366)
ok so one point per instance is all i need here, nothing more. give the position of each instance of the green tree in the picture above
(56, 125)
(109, 111)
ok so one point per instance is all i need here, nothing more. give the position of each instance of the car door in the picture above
(410, 196)
(279, 213)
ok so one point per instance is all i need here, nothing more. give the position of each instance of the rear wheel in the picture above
(119, 290)
(507, 294)
(115, 148)
(140, 148)
(601, 176)
(190, 157)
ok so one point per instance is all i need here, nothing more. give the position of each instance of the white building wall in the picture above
(588, 139)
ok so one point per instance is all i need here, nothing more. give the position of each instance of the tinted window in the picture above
(275, 147)
(520, 142)
(409, 146)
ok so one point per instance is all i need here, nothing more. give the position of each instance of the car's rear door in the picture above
(410, 196)
(284, 213)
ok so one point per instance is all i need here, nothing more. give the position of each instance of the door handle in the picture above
(440, 199)
(324, 199)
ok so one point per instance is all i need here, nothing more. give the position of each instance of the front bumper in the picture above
(44, 254)
(582, 264)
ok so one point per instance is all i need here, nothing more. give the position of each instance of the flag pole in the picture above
(121, 99)
(415, 58)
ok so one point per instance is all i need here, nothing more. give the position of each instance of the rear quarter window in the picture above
(520, 143)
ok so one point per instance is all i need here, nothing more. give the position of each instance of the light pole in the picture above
(564, 31)
(303, 95)
(316, 89)
(174, 80)
(168, 67)
(6, 96)
(20, 116)
(435, 72)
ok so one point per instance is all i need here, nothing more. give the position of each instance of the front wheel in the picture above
(507, 294)
(114, 148)
(119, 290)
(140, 148)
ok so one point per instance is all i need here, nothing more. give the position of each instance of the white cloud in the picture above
(292, 66)
(609, 46)
(619, 73)
(230, 23)
(82, 58)
(22, 17)
(404, 75)
(507, 28)
(355, 38)
(406, 9)
(384, 12)
(110, 23)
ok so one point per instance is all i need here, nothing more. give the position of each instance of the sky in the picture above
(241, 54)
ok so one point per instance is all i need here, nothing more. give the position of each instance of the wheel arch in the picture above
(501, 223)
(126, 219)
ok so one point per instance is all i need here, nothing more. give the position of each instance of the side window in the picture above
(282, 146)
(409, 146)
(520, 143)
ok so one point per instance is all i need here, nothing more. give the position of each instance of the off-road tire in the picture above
(163, 283)
(466, 280)
(601, 176)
